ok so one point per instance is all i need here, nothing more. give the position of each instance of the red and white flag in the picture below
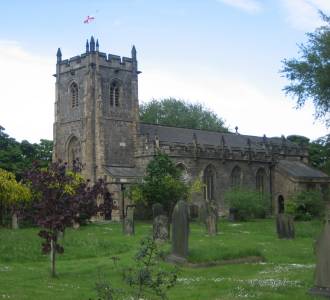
(89, 19)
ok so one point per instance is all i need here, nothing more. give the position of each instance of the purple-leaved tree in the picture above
(61, 198)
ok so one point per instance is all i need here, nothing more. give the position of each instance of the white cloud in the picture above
(303, 14)
(27, 93)
(239, 102)
(250, 6)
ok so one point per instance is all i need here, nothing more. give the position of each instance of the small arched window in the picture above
(74, 94)
(209, 181)
(236, 177)
(260, 181)
(114, 94)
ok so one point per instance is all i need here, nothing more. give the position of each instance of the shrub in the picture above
(247, 204)
(305, 205)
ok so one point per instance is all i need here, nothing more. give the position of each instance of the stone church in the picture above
(97, 121)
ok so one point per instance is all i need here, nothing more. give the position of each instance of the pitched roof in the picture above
(298, 169)
(205, 137)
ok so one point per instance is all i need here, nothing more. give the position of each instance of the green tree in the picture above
(18, 157)
(161, 184)
(319, 153)
(11, 193)
(309, 75)
(173, 112)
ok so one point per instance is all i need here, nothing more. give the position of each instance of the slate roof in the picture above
(124, 172)
(205, 137)
(298, 169)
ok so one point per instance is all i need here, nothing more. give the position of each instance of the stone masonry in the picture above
(97, 122)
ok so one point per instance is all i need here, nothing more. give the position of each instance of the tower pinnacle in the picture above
(92, 44)
(87, 46)
(59, 55)
(97, 44)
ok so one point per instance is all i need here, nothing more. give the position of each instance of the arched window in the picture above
(236, 177)
(209, 180)
(184, 176)
(260, 181)
(74, 94)
(114, 94)
(73, 151)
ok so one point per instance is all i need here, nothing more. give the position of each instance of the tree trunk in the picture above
(52, 258)
(14, 221)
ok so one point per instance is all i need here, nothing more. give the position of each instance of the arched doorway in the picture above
(280, 204)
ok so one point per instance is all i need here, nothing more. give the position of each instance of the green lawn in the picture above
(286, 273)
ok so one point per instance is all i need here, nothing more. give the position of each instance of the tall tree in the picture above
(173, 112)
(11, 193)
(309, 75)
(17, 157)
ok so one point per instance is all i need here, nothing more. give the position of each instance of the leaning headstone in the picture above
(180, 233)
(285, 226)
(211, 220)
(322, 271)
(129, 222)
(157, 210)
(160, 228)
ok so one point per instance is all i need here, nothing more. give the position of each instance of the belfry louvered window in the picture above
(74, 94)
(114, 94)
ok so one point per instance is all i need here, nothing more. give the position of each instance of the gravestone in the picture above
(233, 215)
(129, 221)
(160, 228)
(14, 221)
(322, 271)
(285, 226)
(157, 210)
(180, 233)
(211, 220)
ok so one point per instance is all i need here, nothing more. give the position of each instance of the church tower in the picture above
(96, 110)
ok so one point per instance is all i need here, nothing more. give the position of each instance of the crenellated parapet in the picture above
(93, 55)
(228, 147)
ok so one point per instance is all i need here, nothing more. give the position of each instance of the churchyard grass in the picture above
(285, 273)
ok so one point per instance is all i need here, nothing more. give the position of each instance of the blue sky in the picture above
(224, 53)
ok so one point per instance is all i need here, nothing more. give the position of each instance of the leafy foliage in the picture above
(305, 205)
(18, 157)
(161, 184)
(146, 277)
(310, 74)
(60, 199)
(173, 112)
(12, 193)
(319, 153)
(248, 204)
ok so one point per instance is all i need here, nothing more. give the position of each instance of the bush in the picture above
(305, 205)
(247, 204)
